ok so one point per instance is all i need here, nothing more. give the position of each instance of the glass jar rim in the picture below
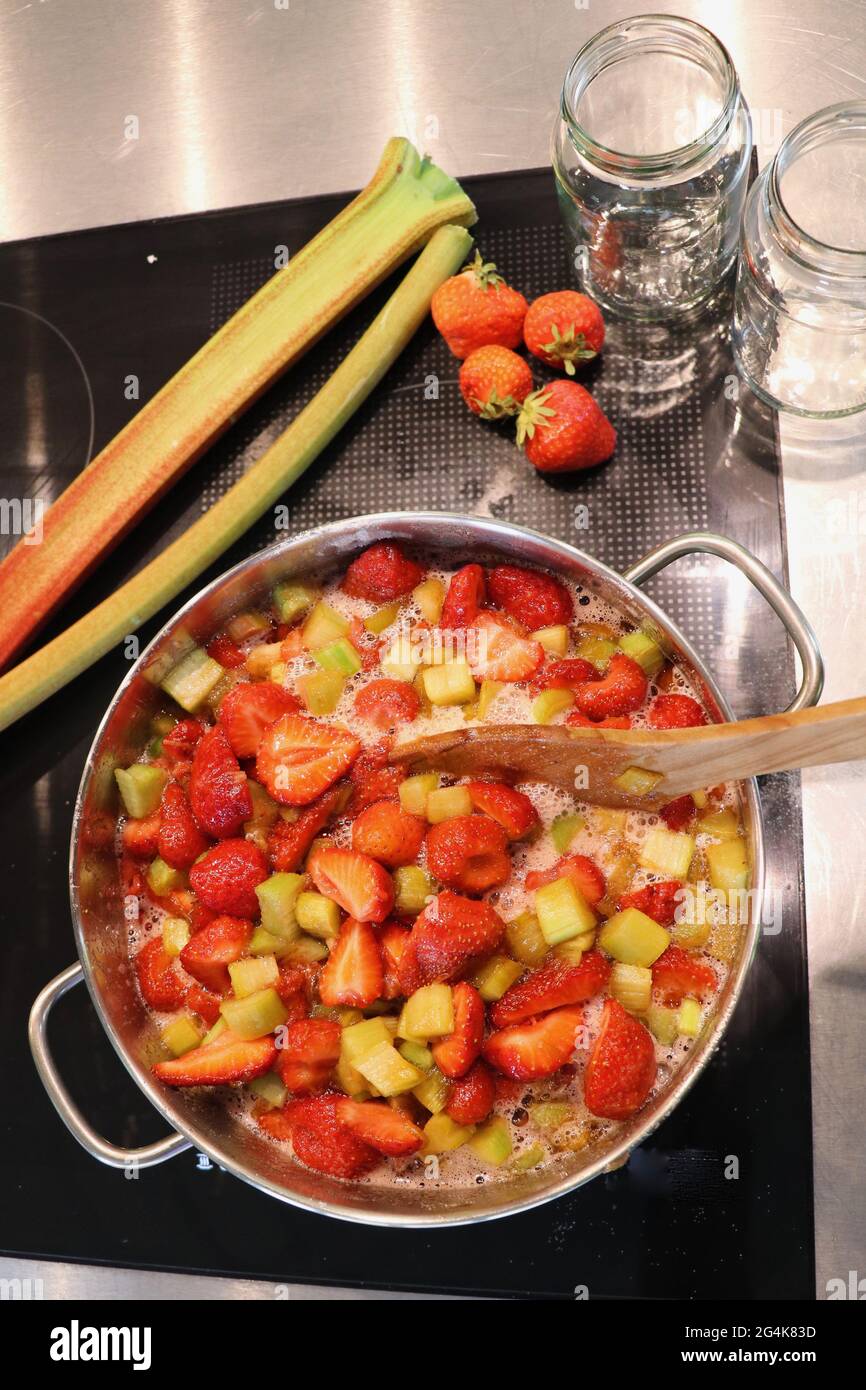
(592, 57)
(821, 128)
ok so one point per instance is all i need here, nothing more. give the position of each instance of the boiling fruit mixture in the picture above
(379, 968)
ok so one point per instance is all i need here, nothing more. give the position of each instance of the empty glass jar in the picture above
(800, 303)
(651, 156)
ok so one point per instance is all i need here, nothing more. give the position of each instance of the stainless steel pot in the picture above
(203, 1120)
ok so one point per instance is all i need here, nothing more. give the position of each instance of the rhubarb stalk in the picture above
(55, 664)
(405, 201)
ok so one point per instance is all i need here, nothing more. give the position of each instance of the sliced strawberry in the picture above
(464, 599)
(679, 813)
(353, 973)
(586, 876)
(565, 674)
(299, 758)
(675, 712)
(225, 879)
(218, 791)
(356, 882)
(386, 1130)
(392, 939)
(471, 1099)
(292, 643)
(512, 809)
(528, 1051)
(224, 1061)
(386, 703)
(291, 984)
(226, 652)
(159, 979)
(374, 778)
(550, 987)
(622, 1065)
(678, 972)
(180, 742)
(455, 1054)
(449, 935)
(140, 838)
(658, 900)
(469, 853)
(203, 1003)
(580, 721)
(381, 573)
(497, 652)
(534, 600)
(180, 840)
(309, 1052)
(250, 708)
(366, 645)
(289, 841)
(621, 690)
(386, 832)
(208, 954)
(319, 1139)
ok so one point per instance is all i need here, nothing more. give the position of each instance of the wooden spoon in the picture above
(587, 762)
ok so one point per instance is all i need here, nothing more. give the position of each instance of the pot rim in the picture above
(489, 530)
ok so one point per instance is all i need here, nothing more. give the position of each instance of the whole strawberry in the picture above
(561, 428)
(477, 308)
(564, 328)
(494, 382)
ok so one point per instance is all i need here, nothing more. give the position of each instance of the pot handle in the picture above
(797, 625)
(63, 1103)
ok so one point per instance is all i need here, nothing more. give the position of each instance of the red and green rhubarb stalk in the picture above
(52, 667)
(407, 199)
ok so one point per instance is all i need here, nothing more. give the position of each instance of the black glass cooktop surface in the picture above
(79, 316)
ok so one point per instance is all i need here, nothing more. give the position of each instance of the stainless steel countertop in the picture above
(116, 110)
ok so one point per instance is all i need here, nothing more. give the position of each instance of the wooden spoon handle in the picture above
(589, 762)
(702, 757)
